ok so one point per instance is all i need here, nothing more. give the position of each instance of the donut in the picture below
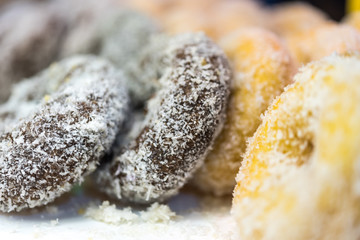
(181, 122)
(231, 15)
(262, 68)
(30, 34)
(182, 20)
(64, 133)
(125, 36)
(295, 17)
(215, 18)
(353, 19)
(300, 174)
(324, 40)
(83, 18)
(121, 37)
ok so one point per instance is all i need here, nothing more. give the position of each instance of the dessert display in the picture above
(140, 104)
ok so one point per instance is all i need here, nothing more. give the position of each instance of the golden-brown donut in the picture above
(300, 176)
(295, 17)
(231, 15)
(322, 41)
(353, 19)
(262, 68)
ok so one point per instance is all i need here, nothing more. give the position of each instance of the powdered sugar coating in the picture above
(183, 119)
(300, 174)
(64, 135)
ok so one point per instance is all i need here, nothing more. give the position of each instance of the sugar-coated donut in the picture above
(353, 19)
(30, 34)
(295, 17)
(262, 68)
(215, 18)
(231, 15)
(73, 112)
(322, 41)
(183, 118)
(300, 176)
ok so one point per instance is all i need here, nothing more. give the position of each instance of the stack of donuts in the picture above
(146, 96)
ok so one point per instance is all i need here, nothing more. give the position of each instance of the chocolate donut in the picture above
(63, 135)
(29, 37)
(183, 118)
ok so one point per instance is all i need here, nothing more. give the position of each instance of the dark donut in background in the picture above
(30, 33)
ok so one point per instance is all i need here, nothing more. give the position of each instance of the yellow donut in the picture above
(300, 177)
(182, 20)
(214, 17)
(262, 68)
(295, 17)
(229, 16)
(353, 19)
(322, 41)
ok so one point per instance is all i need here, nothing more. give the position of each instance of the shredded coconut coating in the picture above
(30, 34)
(183, 119)
(322, 41)
(108, 213)
(301, 172)
(65, 133)
(262, 68)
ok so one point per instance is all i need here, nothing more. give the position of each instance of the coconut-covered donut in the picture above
(300, 176)
(73, 112)
(121, 36)
(183, 118)
(30, 34)
(262, 68)
(83, 18)
(125, 36)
